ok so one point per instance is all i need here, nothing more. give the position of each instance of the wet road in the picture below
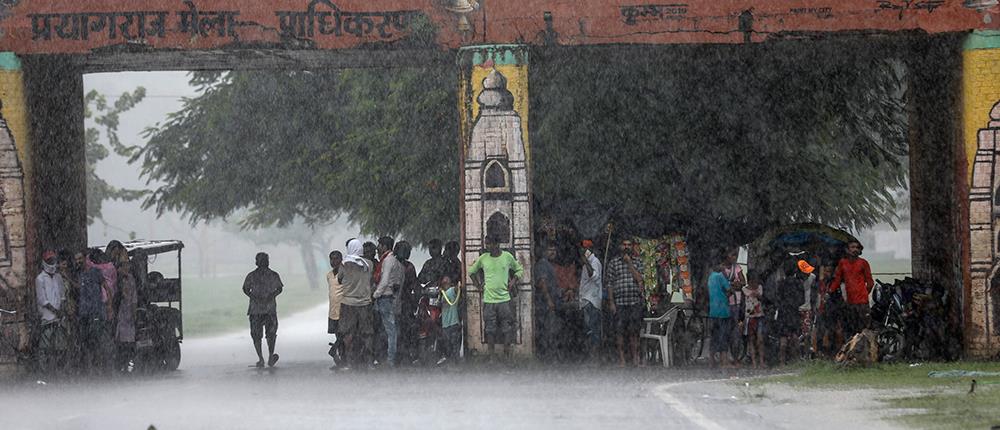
(215, 389)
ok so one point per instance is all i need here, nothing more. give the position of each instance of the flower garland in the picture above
(665, 265)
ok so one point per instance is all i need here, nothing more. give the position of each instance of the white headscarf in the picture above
(49, 268)
(354, 250)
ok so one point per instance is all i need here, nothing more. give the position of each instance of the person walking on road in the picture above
(491, 273)
(263, 286)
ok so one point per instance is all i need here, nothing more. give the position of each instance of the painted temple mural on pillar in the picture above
(984, 237)
(496, 192)
(13, 272)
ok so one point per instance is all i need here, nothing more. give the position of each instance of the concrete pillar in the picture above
(57, 211)
(496, 181)
(937, 166)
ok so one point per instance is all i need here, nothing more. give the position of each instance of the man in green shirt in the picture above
(492, 274)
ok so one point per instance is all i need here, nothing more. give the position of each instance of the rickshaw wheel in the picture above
(171, 355)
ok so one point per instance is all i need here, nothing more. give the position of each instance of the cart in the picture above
(159, 323)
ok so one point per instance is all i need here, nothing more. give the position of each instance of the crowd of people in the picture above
(374, 293)
(581, 306)
(87, 302)
(791, 303)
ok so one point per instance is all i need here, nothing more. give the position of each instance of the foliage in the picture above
(721, 143)
(725, 145)
(282, 145)
(106, 117)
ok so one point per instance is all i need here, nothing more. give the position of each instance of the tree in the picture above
(106, 117)
(724, 146)
(312, 145)
(720, 142)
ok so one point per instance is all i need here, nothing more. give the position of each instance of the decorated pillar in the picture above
(496, 181)
(981, 131)
(15, 293)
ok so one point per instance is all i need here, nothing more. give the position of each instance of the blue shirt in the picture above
(718, 302)
(91, 306)
(449, 314)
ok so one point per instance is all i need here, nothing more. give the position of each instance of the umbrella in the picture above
(794, 235)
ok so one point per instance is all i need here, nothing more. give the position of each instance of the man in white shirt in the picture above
(590, 296)
(50, 293)
(388, 280)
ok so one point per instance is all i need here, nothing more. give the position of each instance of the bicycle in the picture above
(689, 335)
(9, 345)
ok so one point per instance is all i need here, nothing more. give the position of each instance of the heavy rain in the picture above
(488, 214)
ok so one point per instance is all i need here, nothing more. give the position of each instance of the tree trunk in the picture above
(308, 260)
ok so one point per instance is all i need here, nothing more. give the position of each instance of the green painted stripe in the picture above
(9, 61)
(500, 54)
(982, 39)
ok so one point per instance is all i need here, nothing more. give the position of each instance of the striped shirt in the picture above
(626, 290)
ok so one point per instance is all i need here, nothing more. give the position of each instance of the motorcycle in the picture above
(910, 317)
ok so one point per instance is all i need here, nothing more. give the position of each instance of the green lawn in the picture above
(941, 403)
(217, 305)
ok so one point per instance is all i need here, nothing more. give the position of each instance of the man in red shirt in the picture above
(856, 275)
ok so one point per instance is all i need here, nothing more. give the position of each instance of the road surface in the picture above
(215, 389)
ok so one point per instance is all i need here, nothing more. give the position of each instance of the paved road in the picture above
(214, 389)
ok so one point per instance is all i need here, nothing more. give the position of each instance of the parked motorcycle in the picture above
(910, 317)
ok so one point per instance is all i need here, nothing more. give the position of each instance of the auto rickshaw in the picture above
(159, 326)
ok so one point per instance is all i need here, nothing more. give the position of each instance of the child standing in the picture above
(450, 296)
(754, 326)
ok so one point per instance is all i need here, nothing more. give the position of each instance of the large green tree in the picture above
(722, 142)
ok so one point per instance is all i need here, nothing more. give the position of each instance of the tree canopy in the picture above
(726, 139)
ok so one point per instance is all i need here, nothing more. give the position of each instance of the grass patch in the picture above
(941, 402)
(217, 305)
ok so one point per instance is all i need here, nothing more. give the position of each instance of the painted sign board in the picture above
(80, 26)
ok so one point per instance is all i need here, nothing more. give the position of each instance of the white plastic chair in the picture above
(659, 329)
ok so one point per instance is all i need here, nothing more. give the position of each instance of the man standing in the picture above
(336, 295)
(491, 274)
(548, 301)
(453, 265)
(263, 286)
(356, 319)
(625, 288)
(92, 316)
(590, 297)
(50, 294)
(856, 275)
(435, 267)
(388, 280)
